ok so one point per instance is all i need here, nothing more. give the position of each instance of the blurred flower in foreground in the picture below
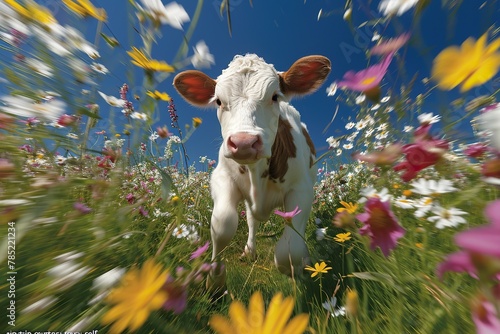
(470, 65)
(113, 101)
(319, 268)
(85, 8)
(172, 14)
(49, 111)
(139, 293)
(396, 7)
(480, 254)
(387, 156)
(489, 120)
(202, 57)
(256, 320)
(150, 65)
(484, 316)
(391, 45)
(33, 11)
(158, 95)
(368, 80)
(380, 225)
(288, 215)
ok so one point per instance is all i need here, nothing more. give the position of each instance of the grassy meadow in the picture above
(107, 230)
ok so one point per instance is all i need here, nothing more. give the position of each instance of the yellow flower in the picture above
(407, 192)
(139, 293)
(158, 95)
(86, 8)
(33, 11)
(117, 135)
(256, 321)
(318, 268)
(342, 237)
(352, 303)
(140, 59)
(349, 207)
(196, 122)
(470, 65)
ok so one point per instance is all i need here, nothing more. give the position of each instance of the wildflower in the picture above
(202, 57)
(256, 320)
(85, 8)
(368, 80)
(479, 247)
(428, 118)
(370, 192)
(475, 150)
(288, 215)
(100, 68)
(403, 202)
(380, 225)
(470, 65)
(347, 146)
(319, 268)
(82, 208)
(113, 101)
(139, 293)
(172, 14)
(150, 65)
(321, 233)
(387, 156)
(39, 305)
(139, 115)
(342, 237)
(197, 122)
(485, 317)
(396, 7)
(39, 67)
(447, 217)
(181, 231)
(158, 95)
(349, 207)
(350, 125)
(432, 187)
(330, 306)
(489, 121)
(177, 296)
(49, 111)
(332, 89)
(200, 251)
(491, 168)
(153, 136)
(344, 220)
(392, 45)
(163, 132)
(352, 303)
(34, 12)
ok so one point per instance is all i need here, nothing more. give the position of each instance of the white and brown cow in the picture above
(266, 156)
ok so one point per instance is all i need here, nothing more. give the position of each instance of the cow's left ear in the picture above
(305, 75)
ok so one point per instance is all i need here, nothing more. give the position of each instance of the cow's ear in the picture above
(195, 86)
(305, 75)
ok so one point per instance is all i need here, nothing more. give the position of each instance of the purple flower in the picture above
(475, 150)
(79, 206)
(368, 80)
(380, 225)
(199, 252)
(484, 317)
(177, 296)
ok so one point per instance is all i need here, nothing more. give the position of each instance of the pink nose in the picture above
(244, 146)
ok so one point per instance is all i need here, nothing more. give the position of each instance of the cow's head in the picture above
(248, 95)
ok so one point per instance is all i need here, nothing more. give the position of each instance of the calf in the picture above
(266, 156)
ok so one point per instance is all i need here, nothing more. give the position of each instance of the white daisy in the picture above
(361, 124)
(113, 101)
(181, 231)
(371, 192)
(154, 136)
(202, 57)
(39, 67)
(428, 118)
(423, 205)
(403, 202)
(447, 217)
(139, 115)
(396, 7)
(25, 107)
(432, 187)
(172, 14)
(332, 142)
(385, 99)
(100, 68)
(339, 152)
(360, 99)
(350, 125)
(347, 146)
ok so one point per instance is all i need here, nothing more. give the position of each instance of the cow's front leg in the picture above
(223, 225)
(291, 254)
(253, 227)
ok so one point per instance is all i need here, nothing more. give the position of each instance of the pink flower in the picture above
(380, 225)
(177, 296)
(66, 120)
(199, 252)
(391, 45)
(484, 317)
(368, 80)
(288, 215)
(475, 150)
(82, 208)
(387, 156)
(480, 252)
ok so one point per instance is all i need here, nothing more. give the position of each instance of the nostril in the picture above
(257, 145)
(232, 146)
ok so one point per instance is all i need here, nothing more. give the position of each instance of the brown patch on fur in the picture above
(311, 146)
(242, 169)
(283, 149)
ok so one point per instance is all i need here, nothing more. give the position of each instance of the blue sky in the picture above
(283, 31)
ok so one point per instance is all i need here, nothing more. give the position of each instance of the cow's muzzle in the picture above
(244, 147)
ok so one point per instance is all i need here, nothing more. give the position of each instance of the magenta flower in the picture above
(368, 80)
(380, 225)
(479, 246)
(288, 215)
(199, 252)
(485, 318)
(475, 150)
(391, 45)
(82, 208)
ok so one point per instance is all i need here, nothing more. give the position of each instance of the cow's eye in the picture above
(275, 97)
(218, 102)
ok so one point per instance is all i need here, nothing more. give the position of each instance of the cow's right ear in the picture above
(195, 87)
